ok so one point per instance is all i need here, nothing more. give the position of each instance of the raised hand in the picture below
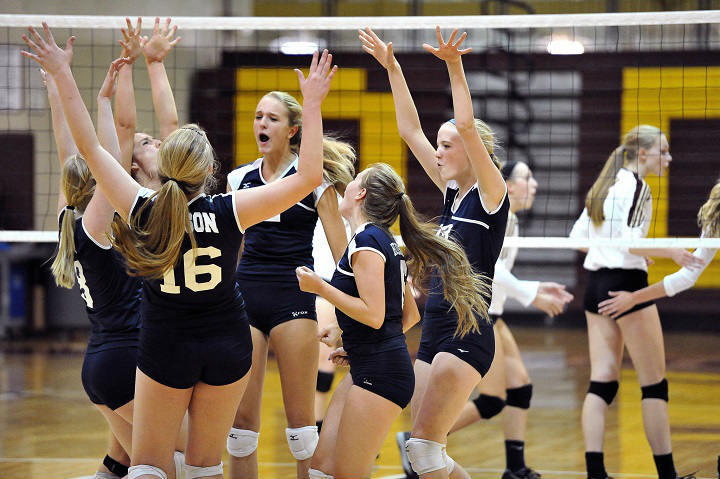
(107, 90)
(159, 45)
(372, 44)
(132, 40)
(448, 51)
(50, 56)
(317, 84)
(619, 302)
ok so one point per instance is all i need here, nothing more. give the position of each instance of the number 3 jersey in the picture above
(358, 337)
(199, 295)
(275, 247)
(112, 297)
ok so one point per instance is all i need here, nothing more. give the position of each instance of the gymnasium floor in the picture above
(49, 430)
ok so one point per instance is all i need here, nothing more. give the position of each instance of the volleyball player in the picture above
(280, 314)
(374, 306)
(195, 346)
(475, 211)
(685, 278)
(619, 205)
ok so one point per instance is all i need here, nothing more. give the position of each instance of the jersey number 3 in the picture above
(192, 271)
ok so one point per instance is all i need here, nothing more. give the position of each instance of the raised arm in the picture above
(254, 205)
(490, 180)
(125, 114)
(332, 223)
(120, 188)
(155, 50)
(406, 114)
(63, 138)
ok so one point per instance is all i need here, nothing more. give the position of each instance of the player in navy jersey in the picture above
(112, 298)
(195, 347)
(475, 213)
(374, 306)
(619, 205)
(280, 314)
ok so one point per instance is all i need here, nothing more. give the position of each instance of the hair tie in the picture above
(70, 207)
(400, 195)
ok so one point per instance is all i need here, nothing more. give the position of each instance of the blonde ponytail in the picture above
(709, 214)
(338, 163)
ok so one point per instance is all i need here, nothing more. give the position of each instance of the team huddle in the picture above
(186, 291)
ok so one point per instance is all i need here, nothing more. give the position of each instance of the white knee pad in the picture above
(449, 462)
(179, 460)
(426, 456)
(195, 472)
(242, 442)
(316, 474)
(302, 441)
(143, 469)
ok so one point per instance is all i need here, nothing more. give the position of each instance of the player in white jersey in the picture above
(195, 345)
(619, 205)
(681, 280)
(508, 383)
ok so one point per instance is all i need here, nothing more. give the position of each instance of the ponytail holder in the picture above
(400, 195)
(183, 186)
(173, 179)
(70, 207)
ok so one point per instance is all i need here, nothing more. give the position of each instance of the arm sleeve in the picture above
(523, 291)
(684, 278)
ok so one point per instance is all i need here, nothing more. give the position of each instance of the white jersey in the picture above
(686, 278)
(505, 284)
(322, 254)
(628, 211)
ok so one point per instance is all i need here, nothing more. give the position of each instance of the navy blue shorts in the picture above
(269, 303)
(179, 360)
(438, 336)
(604, 280)
(108, 376)
(389, 374)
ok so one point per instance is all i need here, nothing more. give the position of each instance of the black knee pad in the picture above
(488, 406)
(324, 381)
(519, 397)
(607, 390)
(656, 391)
(115, 467)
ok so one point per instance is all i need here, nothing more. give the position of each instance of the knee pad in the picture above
(302, 441)
(656, 391)
(242, 442)
(195, 472)
(449, 462)
(179, 460)
(143, 469)
(519, 397)
(317, 474)
(606, 390)
(425, 456)
(324, 381)
(488, 406)
(119, 469)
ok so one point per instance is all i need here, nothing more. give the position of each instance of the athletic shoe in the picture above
(401, 438)
(524, 473)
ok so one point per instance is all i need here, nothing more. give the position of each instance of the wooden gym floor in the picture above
(49, 429)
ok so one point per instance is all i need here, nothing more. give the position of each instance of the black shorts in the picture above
(269, 303)
(438, 335)
(604, 280)
(180, 360)
(389, 374)
(108, 376)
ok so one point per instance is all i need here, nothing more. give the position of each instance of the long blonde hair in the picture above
(464, 289)
(338, 156)
(640, 137)
(185, 165)
(709, 214)
(78, 186)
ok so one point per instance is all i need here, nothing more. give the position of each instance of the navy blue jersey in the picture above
(199, 296)
(278, 245)
(111, 296)
(358, 337)
(480, 233)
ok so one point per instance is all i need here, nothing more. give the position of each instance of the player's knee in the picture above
(427, 456)
(519, 397)
(488, 406)
(196, 472)
(302, 441)
(656, 391)
(606, 390)
(242, 442)
(324, 381)
(145, 470)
